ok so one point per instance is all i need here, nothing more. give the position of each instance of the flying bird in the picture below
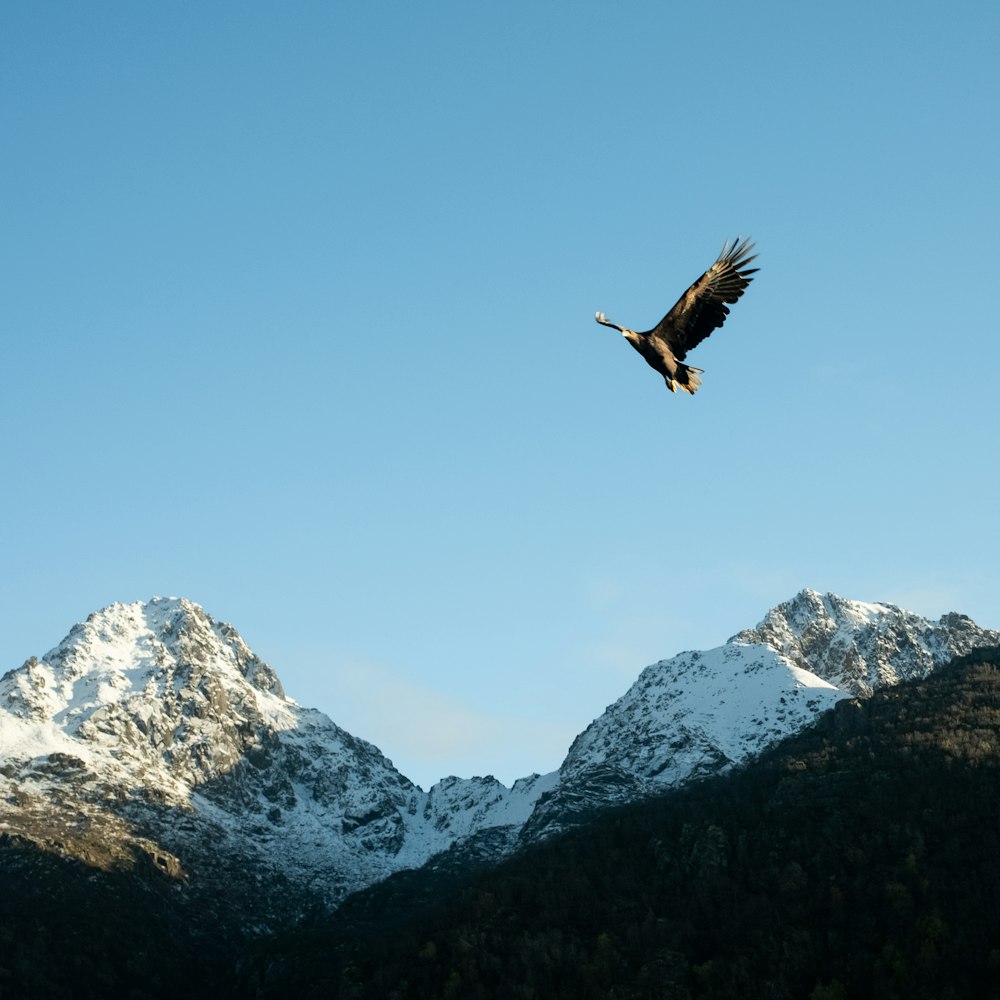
(699, 311)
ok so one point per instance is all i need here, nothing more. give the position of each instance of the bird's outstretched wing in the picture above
(702, 308)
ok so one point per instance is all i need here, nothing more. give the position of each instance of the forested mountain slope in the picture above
(860, 858)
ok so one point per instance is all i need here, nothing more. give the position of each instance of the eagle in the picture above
(699, 311)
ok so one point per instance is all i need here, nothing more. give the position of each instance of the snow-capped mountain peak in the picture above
(165, 716)
(160, 683)
(860, 646)
(692, 710)
(700, 713)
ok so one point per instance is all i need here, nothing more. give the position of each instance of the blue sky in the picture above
(298, 323)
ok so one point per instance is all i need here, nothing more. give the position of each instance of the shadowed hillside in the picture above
(106, 927)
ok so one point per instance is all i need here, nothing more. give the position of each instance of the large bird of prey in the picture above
(699, 311)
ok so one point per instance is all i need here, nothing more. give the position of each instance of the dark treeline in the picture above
(859, 859)
(72, 931)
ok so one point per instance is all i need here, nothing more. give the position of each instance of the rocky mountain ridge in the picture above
(860, 647)
(155, 728)
(152, 734)
(703, 712)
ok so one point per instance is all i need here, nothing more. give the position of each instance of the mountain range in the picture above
(152, 736)
(858, 858)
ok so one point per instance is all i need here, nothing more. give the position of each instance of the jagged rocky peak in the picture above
(126, 637)
(701, 712)
(162, 718)
(161, 684)
(462, 806)
(860, 646)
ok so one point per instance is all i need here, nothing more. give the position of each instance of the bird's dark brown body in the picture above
(700, 310)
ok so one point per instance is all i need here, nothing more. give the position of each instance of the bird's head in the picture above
(604, 321)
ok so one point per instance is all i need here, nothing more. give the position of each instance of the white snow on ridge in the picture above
(160, 703)
(702, 710)
(861, 646)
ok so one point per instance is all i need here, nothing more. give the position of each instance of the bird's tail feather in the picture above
(686, 379)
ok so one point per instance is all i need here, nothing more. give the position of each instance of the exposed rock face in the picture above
(850, 716)
(703, 712)
(859, 647)
(157, 726)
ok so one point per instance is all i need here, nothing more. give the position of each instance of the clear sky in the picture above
(297, 322)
